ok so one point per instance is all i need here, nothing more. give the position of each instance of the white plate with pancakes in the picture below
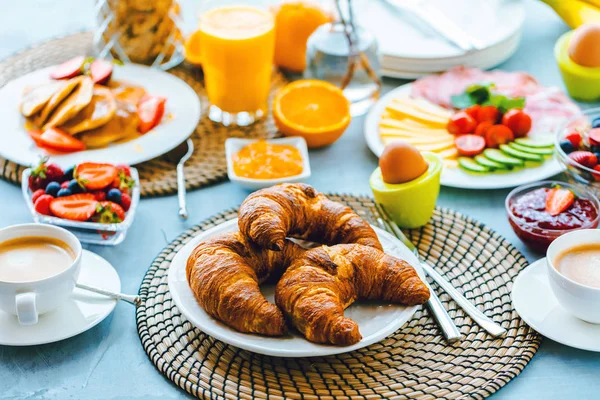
(376, 320)
(182, 113)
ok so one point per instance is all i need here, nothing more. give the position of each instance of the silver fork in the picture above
(480, 318)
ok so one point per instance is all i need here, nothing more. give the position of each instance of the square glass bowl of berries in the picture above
(578, 148)
(95, 201)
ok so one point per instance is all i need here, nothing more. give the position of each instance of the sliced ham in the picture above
(547, 106)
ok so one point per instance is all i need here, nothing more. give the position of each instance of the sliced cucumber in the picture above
(536, 143)
(541, 151)
(486, 162)
(520, 154)
(469, 165)
(502, 158)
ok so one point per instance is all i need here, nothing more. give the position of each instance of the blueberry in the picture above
(595, 148)
(597, 154)
(566, 146)
(69, 172)
(114, 195)
(596, 122)
(64, 192)
(53, 188)
(74, 186)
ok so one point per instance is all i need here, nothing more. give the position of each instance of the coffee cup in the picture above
(578, 298)
(34, 282)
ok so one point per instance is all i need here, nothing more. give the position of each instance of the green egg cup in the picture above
(410, 204)
(583, 83)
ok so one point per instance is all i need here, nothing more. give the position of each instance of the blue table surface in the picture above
(108, 361)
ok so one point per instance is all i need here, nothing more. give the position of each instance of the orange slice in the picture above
(316, 110)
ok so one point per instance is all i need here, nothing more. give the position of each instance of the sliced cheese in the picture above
(424, 106)
(420, 139)
(403, 110)
(409, 130)
(451, 163)
(449, 154)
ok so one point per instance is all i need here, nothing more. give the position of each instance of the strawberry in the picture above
(108, 212)
(36, 195)
(575, 138)
(42, 204)
(559, 200)
(95, 176)
(44, 173)
(123, 182)
(65, 185)
(585, 158)
(125, 201)
(125, 169)
(77, 207)
(99, 195)
(594, 136)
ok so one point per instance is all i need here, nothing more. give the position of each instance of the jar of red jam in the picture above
(535, 226)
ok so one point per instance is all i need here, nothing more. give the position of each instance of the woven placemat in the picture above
(158, 177)
(413, 363)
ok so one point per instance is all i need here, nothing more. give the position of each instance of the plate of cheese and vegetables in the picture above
(492, 129)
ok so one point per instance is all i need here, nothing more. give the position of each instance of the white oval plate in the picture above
(535, 302)
(182, 104)
(455, 177)
(82, 311)
(375, 320)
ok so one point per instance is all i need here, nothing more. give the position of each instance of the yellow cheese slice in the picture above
(421, 139)
(425, 106)
(435, 147)
(407, 130)
(449, 154)
(450, 164)
(413, 113)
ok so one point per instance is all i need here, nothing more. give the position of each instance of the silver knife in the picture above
(441, 316)
(480, 318)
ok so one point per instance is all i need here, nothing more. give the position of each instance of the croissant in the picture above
(321, 283)
(224, 273)
(270, 215)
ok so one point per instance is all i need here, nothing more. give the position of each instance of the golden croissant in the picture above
(270, 215)
(321, 283)
(224, 273)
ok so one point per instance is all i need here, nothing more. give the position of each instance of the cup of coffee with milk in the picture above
(39, 267)
(573, 262)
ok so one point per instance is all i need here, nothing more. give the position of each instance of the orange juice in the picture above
(237, 50)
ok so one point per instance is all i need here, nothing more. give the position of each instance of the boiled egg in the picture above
(401, 162)
(584, 47)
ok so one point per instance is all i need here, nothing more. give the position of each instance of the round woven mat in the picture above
(413, 363)
(158, 177)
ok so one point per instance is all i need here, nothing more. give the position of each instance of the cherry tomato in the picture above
(497, 135)
(518, 122)
(469, 145)
(488, 113)
(482, 127)
(473, 111)
(461, 123)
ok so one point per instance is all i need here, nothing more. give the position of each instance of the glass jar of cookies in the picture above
(139, 31)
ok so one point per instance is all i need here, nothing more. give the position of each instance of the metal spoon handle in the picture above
(181, 192)
(135, 300)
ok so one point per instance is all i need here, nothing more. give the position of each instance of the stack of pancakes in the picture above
(96, 114)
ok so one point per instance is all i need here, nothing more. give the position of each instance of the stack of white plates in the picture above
(411, 49)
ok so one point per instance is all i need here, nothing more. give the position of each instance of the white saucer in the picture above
(536, 304)
(82, 311)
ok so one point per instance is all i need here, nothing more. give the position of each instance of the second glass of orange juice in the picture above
(237, 44)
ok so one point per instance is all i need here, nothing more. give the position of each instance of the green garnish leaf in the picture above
(481, 93)
(462, 100)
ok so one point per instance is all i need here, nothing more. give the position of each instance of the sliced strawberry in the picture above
(68, 69)
(559, 200)
(108, 212)
(77, 207)
(42, 204)
(593, 136)
(585, 158)
(597, 173)
(150, 111)
(575, 138)
(101, 71)
(60, 140)
(35, 135)
(95, 176)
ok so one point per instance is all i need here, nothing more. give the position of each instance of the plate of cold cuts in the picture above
(421, 112)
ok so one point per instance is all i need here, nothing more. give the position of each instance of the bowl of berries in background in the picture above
(95, 201)
(542, 211)
(578, 149)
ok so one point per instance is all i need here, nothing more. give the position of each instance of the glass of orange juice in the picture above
(237, 45)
